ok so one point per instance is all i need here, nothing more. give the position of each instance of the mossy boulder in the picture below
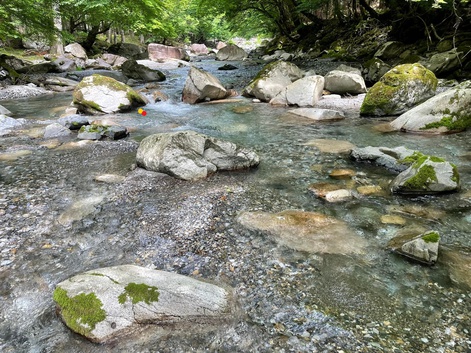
(422, 247)
(426, 175)
(107, 303)
(449, 111)
(99, 94)
(400, 89)
(272, 79)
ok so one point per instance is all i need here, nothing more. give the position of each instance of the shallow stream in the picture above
(285, 300)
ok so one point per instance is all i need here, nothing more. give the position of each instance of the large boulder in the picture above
(199, 49)
(449, 111)
(426, 175)
(161, 52)
(400, 89)
(304, 92)
(98, 94)
(422, 247)
(305, 231)
(132, 69)
(129, 51)
(201, 86)
(272, 79)
(76, 50)
(107, 303)
(231, 52)
(64, 64)
(343, 82)
(189, 155)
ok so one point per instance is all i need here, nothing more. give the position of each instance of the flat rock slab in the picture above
(306, 231)
(108, 303)
(331, 146)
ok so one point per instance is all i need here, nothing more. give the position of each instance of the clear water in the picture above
(347, 303)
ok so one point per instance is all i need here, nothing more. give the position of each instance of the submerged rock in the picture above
(318, 114)
(400, 89)
(108, 303)
(56, 130)
(457, 260)
(449, 111)
(331, 146)
(189, 155)
(305, 231)
(99, 94)
(422, 247)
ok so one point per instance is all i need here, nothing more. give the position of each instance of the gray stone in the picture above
(305, 231)
(136, 71)
(56, 130)
(79, 75)
(73, 122)
(65, 64)
(199, 49)
(390, 50)
(201, 86)
(446, 112)
(7, 123)
(272, 79)
(5, 111)
(375, 69)
(79, 210)
(129, 51)
(40, 68)
(343, 82)
(346, 68)
(124, 298)
(303, 92)
(318, 114)
(231, 52)
(443, 63)
(76, 50)
(98, 94)
(390, 158)
(422, 247)
(188, 155)
(116, 132)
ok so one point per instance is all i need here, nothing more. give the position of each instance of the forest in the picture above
(197, 21)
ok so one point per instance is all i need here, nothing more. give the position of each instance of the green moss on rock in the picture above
(386, 97)
(82, 312)
(431, 237)
(424, 176)
(139, 292)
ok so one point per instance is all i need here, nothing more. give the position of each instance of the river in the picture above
(284, 300)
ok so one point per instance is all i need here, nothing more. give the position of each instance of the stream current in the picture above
(284, 300)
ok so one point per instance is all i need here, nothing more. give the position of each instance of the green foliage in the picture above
(431, 237)
(139, 292)
(82, 312)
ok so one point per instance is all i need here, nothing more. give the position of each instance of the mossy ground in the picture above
(82, 312)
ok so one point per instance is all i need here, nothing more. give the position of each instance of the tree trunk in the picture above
(57, 47)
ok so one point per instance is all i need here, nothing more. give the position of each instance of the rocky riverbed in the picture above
(58, 220)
